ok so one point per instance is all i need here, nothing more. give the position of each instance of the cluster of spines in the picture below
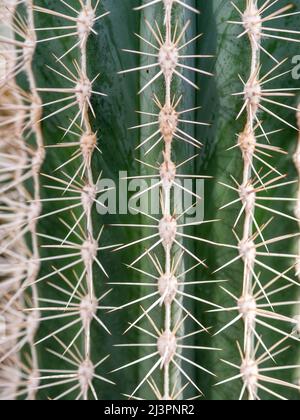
(20, 209)
(169, 281)
(255, 306)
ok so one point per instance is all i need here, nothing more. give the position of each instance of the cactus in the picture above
(257, 96)
(168, 44)
(21, 203)
(209, 304)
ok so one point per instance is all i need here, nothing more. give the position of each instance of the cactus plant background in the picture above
(114, 114)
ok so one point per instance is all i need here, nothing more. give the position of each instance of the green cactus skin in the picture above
(114, 114)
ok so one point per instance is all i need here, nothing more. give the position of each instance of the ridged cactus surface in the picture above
(149, 200)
